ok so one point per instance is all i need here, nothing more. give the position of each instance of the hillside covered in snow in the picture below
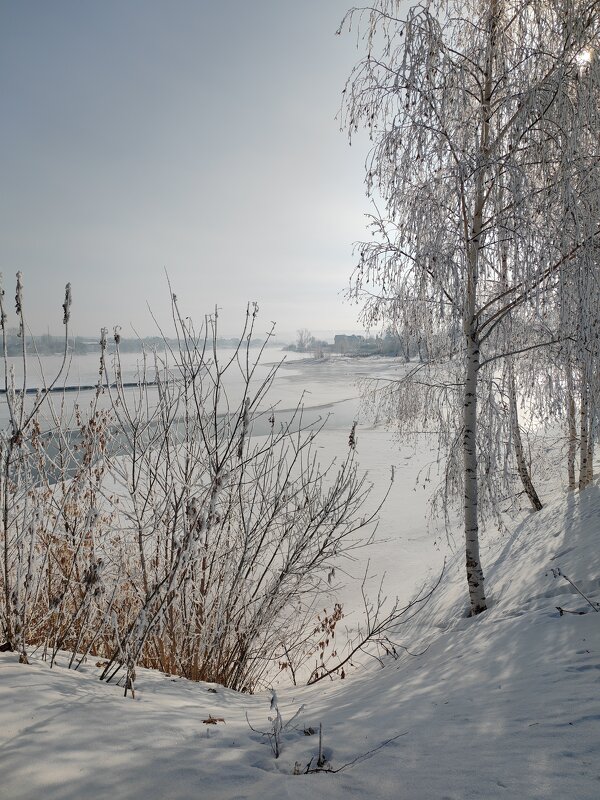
(502, 705)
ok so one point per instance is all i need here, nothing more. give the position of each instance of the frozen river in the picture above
(329, 391)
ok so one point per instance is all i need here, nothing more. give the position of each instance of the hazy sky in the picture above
(193, 136)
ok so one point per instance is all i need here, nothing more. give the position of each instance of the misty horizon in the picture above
(198, 140)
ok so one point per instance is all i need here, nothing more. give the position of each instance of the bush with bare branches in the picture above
(179, 521)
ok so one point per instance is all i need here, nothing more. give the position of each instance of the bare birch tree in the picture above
(461, 101)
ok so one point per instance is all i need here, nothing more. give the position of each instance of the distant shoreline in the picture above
(80, 388)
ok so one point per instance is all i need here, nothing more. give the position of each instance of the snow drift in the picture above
(503, 705)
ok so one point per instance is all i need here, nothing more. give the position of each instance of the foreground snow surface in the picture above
(505, 705)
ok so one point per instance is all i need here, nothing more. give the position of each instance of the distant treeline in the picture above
(388, 344)
(47, 345)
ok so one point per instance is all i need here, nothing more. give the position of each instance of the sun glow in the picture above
(584, 58)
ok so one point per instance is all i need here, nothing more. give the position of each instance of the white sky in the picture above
(194, 136)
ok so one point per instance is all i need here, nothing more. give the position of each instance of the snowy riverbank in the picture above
(500, 706)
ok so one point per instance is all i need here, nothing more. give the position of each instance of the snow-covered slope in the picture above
(505, 705)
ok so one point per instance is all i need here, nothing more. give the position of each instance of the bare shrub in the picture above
(178, 521)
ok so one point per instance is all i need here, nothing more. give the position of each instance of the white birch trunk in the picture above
(584, 433)
(589, 467)
(474, 243)
(572, 428)
(522, 467)
(590, 459)
(475, 579)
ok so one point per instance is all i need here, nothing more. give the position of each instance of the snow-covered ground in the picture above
(501, 706)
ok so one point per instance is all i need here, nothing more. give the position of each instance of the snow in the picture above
(504, 705)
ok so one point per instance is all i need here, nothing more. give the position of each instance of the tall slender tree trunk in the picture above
(475, 578)
(584, 433)
(590, 458)
(572, 428)
(522, 467)
(474, 242)
(589, 467)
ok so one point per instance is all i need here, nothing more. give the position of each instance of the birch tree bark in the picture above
(572, 427)
(522, 467)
